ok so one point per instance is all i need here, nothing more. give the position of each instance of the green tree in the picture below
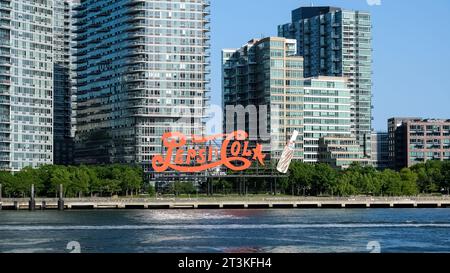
(324, 179)
(183, 188)
(151, 190)
(94, 181)
(301, 176)
(110, 186)
(445, 172)
(44, 175)
(60, 176)
(223, 186)
(130, 180)
(8, 184)
(188, 188)
(80, 180)
(426, 178)
(409, 182)
(345, 186)
(24, 179)
(392, 183)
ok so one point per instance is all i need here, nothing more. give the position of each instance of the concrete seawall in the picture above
(229, 203)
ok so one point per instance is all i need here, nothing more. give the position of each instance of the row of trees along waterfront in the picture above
(303, 179)
(77, 181)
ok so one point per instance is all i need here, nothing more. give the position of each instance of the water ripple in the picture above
(224, 226)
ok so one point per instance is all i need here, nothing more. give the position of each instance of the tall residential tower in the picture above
(141, 68)
(337, 42)
(26, 84)
(63, 123)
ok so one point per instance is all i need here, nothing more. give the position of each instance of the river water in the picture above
(228, 231)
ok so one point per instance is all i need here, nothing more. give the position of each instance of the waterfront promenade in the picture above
(227, 203)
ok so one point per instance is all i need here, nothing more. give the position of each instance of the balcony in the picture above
(136, 9)
(5, 26)
(5, 73)
(5, 129)
(4, 6)
(5, 44)
(207, 37)
(136, 44)
(5, 16)
(136, 52)
(135, 60)
(207, 10)
(135, 2)
(79, 15)
(136, 86)
(137, 34)
(135, 79)
(137, 68)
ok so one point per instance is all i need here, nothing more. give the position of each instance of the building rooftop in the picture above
(309, 12)
(430, 120)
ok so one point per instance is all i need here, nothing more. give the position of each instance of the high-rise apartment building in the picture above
(265, 73)
(269, 73)
(63, 123)
(337, 42)
(141, 70)
(415, 140)
(26, 84)
(326, 113)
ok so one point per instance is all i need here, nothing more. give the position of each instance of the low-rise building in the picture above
(341, 151)
(415, 140)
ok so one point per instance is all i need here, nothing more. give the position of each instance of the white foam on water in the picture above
(189, 215)
(171, 238)
(23, 242)
(215, 227)
(31, 250)
(308, 249)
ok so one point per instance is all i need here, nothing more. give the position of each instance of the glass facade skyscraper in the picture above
(26, 84)
(141, 68)
(337, 42)
(63, 123)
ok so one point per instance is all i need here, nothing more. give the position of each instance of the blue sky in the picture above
(411, 41)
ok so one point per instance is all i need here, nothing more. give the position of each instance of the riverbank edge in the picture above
(224, 203)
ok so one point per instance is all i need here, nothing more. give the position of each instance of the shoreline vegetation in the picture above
(431, 178)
